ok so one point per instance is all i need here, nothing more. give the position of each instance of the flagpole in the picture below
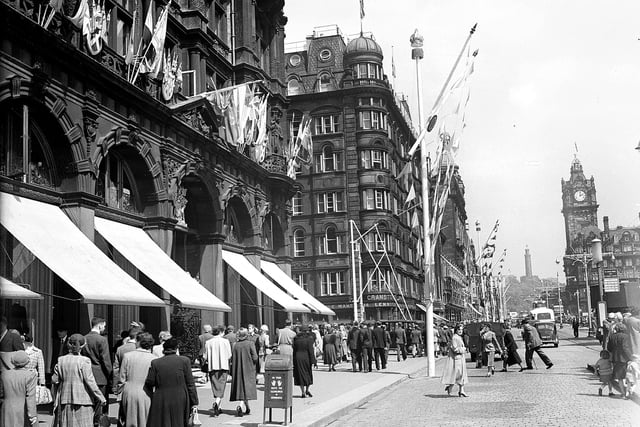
(417, 54)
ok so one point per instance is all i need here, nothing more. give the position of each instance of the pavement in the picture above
(564, 396)
(334, 395)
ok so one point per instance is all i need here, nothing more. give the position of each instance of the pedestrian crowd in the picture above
(619, 362)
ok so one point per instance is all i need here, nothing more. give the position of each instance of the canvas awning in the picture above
(138, 247)
(8, 289)
(243, 267)
(292, 288)
(51, 236)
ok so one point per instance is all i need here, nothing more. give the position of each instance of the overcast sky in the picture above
(550, 73)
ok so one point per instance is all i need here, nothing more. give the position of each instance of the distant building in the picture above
(361, 134)
(527, 262)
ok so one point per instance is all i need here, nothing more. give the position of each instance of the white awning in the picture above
(242, 265)
(138, 247)
(292, 287)
(8, 289)
(435, 316)
(51, 236)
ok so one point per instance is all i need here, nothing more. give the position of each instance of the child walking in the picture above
(604, 368)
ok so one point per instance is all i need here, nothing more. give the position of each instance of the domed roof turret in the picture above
(363, 48)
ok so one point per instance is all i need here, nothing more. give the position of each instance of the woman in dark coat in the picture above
(173, 391)
(619, 346)
(510, 356)
(330, 349)
(303, 359)
(243, 371)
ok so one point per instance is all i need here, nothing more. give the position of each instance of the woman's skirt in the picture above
(218, 382)
(75, 415)
(488, 358)
(330, 356)
(455, 371)
(513, 358)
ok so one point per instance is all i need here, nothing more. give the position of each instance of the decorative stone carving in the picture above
(174, 172)
(134, 129)
(90, 114)
(194, 119)
(224, 193)
(276, 138)
(40, 81)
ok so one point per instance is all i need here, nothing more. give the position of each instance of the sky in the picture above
(550, 75)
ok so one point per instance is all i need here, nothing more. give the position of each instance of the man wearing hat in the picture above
(17, 384)
(533, 343)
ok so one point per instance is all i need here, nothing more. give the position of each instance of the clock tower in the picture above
(580, 210)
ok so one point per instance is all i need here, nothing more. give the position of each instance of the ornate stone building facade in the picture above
(352, 187)
(78, 135)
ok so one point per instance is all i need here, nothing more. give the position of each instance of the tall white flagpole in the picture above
(417, 54)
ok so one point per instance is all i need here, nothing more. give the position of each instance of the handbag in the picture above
(194, 419)
(99, 418)
(43, 395)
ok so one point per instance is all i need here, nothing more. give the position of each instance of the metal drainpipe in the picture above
(233, 41)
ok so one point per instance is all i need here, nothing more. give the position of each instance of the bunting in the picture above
(94, 21)
(170, 75)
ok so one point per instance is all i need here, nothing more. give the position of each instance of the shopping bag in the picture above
(43, 395)
(100, 419)
(194, 419)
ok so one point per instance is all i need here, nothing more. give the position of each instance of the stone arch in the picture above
(19, 89)
(238, 222)
(119, 136)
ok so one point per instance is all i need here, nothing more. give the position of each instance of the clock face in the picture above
(579, 195)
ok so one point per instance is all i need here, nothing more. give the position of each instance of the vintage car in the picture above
(474, 344)
(548, 332)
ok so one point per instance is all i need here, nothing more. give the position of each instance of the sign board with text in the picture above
(611, 280)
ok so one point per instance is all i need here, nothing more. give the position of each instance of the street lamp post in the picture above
(584, 259)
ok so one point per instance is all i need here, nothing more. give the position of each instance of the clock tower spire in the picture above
(579, 208)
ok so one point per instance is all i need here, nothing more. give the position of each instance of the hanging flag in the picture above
(405, 170)
(393, 65)
(411, 195)
(361, 9)
(131, 48)
(170, 75)
(415, 221)
(152, 61)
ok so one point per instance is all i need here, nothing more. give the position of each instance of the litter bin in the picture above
(278, 385)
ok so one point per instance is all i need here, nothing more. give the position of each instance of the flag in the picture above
(405, 171)
(131, 53)
(411, 195)
(393, 65)
(361, 9)
(152, 61)
(415, 221)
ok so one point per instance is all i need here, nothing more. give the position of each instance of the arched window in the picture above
(329, 160)
(331, 240)
(325, 83)
(25, 159)
(294, 87)
(298, 243)
(116, 184)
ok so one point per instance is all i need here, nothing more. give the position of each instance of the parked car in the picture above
(548, 332)
(474, 343)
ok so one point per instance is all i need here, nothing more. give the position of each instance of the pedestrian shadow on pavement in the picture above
(439, 396)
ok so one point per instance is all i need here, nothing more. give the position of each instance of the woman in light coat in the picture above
(18, 391)
(136, 399)
(455, 370)
(76, 391)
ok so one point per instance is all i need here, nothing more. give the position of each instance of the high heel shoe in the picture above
(308, 394)
(448, 390)
(462, 394)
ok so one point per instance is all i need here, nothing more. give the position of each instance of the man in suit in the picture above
(366, 345)
(231, 335)
(97, 350)
(352, 340)
(379, 345)
(130, 345)
(401, 341)
(533, 343)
